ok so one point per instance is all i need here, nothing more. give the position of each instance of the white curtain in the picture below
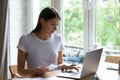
(3, 38)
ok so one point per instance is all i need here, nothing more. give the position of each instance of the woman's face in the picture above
(49, 26)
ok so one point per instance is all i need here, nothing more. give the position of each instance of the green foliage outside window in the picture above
(73, 22)
(108, 23)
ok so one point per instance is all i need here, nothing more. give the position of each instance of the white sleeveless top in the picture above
(40, 52)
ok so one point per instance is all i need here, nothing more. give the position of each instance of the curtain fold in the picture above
(3, 38)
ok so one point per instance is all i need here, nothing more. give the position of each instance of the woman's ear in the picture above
(42, 21)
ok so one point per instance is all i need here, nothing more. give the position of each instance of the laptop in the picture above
(90, 65)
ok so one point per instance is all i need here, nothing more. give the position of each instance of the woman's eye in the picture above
(53, 25)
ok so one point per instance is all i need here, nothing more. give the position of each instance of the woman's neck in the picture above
(42, 35)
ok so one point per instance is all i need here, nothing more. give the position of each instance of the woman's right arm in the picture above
(28, 72)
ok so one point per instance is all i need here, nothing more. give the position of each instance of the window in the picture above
(73, 30)
(101, 27)
(108, 25)
(73, 22)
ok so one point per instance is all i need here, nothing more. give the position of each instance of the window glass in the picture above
(108, 25)
(73, 29)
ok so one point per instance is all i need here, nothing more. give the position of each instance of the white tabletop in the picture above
(107, 74)
(103, 73)
(39, 78)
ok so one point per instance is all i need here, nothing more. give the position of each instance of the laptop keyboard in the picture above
(73, 73)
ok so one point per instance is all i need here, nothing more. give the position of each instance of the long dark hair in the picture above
(47, 14)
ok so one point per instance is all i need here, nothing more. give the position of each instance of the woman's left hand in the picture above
(70, 67)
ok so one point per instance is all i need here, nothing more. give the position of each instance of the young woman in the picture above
(42, 47)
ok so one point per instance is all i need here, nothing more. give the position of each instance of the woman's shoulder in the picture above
(27, 36)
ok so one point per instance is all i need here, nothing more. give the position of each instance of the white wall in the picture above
(19, 24)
